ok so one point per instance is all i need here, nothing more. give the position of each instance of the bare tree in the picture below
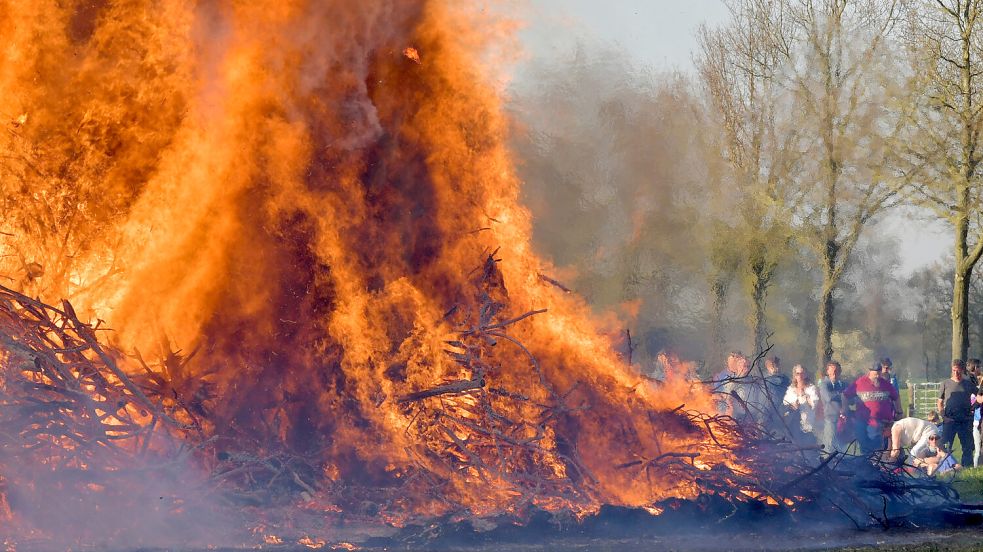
(943, 154)
(824, 65)
(841, 76)
(739, 65)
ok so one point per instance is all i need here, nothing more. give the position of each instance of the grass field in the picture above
(969, 483)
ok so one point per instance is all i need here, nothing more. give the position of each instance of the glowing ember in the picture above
(412, 54)
(311, 543)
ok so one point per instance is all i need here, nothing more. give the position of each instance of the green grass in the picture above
(969, 483)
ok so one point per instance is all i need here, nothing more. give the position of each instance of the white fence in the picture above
(923, 398)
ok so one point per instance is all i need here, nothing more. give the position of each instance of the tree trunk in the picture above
(824, 327)
(715, 348)
(963, 269)
(759, 290)
(824, 316)
(964, 263)
(979, 337)
(960, 312)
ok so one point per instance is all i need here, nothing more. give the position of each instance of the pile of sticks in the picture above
(63, 395)
(69, 413)
(489, 434)
(67, 404)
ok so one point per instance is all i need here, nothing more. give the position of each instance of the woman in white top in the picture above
(803, 398)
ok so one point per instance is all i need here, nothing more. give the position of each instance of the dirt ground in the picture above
(771, 536)
(963, 540)
(894, 540)
(959, 540)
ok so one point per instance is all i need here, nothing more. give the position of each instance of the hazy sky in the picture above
(658, 33)
(661, 34)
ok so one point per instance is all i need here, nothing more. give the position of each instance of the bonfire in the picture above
(267, 273)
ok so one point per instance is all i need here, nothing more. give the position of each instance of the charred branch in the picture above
(462, 386)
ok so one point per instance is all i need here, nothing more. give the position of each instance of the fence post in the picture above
(911, 399)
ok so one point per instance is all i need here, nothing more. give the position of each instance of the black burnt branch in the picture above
(245, 478)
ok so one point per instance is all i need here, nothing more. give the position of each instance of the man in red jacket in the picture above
(876, 400)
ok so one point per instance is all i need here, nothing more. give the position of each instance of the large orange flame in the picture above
(300, 190)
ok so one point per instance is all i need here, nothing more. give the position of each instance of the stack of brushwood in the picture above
(72, 421)
(64, 399)
(71, 404)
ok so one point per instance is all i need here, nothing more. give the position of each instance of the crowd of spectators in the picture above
(866, 413)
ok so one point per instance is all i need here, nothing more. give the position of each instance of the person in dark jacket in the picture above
(776, 384)
(973, 371)
(887, 373)
(834, 415)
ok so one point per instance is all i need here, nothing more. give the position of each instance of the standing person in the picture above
(957, 413)
(670, 364)
(831, 398)
(744, 393)
(977, 416)
(875, 409)
(888, 374)
(777, 381)
(723, 377)
(973, 367)
(776, 385)
(802, 398)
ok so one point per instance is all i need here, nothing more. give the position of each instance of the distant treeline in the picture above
(754, 203)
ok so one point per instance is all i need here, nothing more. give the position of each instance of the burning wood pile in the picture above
(80, 436)
(79, 417)
(303, 196)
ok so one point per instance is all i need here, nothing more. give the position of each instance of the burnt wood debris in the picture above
(65, 399)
